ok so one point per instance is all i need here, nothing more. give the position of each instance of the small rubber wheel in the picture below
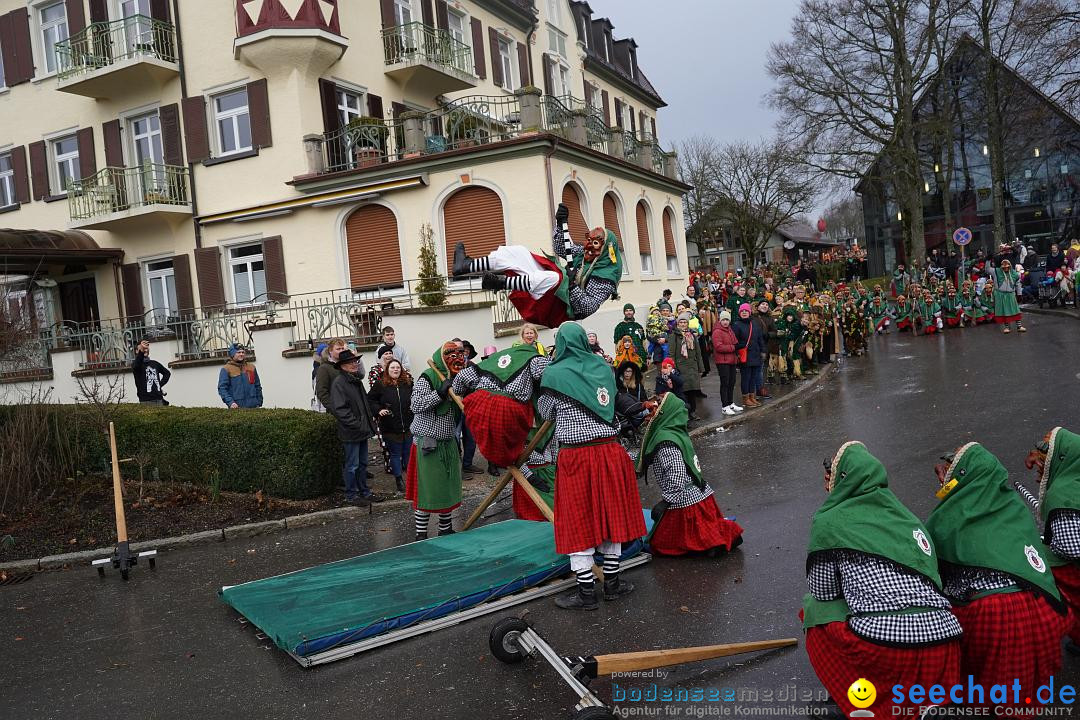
(152, 565)
(124, 573)
(503, 640)
(101, 571)
(594, 713)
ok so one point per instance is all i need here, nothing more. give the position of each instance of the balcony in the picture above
(124, 57)
(117, 197)
(427, 61)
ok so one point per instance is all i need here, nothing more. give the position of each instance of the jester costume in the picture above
(994, 573)
(1006, 310)
(927, 314)
(687, 519)
(879, 315)
(854, 329)
(548, 290)
(791, 332)
(951, 309)
(900, 281)
(905, 311)
(875, 608)
(970, 303)
(988, 301)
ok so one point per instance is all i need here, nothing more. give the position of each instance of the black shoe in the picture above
(562, 216)
(702, 394)
(470, 469)
(1072, 648)
(616, 588)
(578, 600)
(764, 397)
(375, 498)
(451, 531)
(420, 537)
(493, 282)
(462, 264)
(370, 475)
(400, 482)
(359, 500)
(494, 470)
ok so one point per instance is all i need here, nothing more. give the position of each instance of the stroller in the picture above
(1053, 289)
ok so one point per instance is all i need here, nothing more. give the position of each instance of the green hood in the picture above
(447, 405)
(863, 515)
(983, 523)
(579, 375)
(607, 266)
(669, 425)
(1060, 486)
(506, 365)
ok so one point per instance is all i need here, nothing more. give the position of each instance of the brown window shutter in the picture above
(426, 13)
(652, 122)
(442, 14)
(523, 64)
(159, 10)
(479, 64)
(76, 16)
(549, 82)
(198, 141)
(641, 122)
(473, 215)
(171, 150)
(22, 69)
(607, 107)
(398, 108)
(328, 97)
(7, 49)
(618, 114)
(22, 177)
(374, 106)
(259, 109)
(643, 241)
(274, 261)
(496, 63)
(387, 9)
(611, 217)
(633, 121)
(87, 156)
(39, 169)
(99, 11)
(133, 295)
(579, 229)
(185, 297)
(373, 247)
(669, 234)
(114, 148)
(208, 270)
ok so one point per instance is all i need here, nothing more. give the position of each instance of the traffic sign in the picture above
(961, 236)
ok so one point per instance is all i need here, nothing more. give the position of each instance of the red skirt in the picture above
(548, 310)
(840, 657)
(696, 528)
(499, 424)
(954, 321)
(1068, 582)
(524, 507)
(1002, 319)
(597, 497)
(903, 324)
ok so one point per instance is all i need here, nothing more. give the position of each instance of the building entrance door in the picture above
(78, 303)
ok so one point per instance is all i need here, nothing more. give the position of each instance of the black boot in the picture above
(616, 587)
(400, 482)
(420, 537)
(442, 533)
(461, 261)
(493, 282)
(562, 215)
(579, 599)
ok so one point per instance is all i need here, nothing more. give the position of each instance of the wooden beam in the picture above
(506, 476)
(649, 659)
(118, 490)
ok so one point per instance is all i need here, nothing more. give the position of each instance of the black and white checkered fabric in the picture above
(425, 422)
(520, 388)
(960, 583)
(573, 424)
(1065, 534)
(584, 301)
(874, 585)
(671, 474)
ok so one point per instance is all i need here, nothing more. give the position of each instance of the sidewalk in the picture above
(1068, 311)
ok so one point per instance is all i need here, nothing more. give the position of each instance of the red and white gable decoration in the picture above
(254, 16)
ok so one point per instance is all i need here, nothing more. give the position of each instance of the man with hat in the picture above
(630, 326)
(238, 382)
(349, 406)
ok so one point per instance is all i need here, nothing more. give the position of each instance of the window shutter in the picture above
(611, 217)
(99, 11)
(641, 121)
(76, 16)
(22, 177)
(473, 215)
(185, 298)
(618, 114)
(579, 229)
(643, 241)
(374, 106)
(607, 107)
(172, 152)
(442, 14)
(18, 57)
(479, 65)
(159, 10)
(133, 296)
(274, 262)
(7, 49)
(208, 270)
(633, 122)
(114, 148)
(549, 82)
(398, 108)
(259, 110)
(387, 9)
(524, 71)
(328, 97)
(39, 169)
(496, 62)
(669, 235)
(652, 122)
(373, 248)
(426, 13)
(198, 141)
(87, 158)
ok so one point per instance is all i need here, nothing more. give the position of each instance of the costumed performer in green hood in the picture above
(1006, 309)
(875, 608)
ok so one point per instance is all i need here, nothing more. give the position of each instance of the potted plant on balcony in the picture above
(463, 128)
(366, 137)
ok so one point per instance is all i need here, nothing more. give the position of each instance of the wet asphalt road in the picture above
(163, 646)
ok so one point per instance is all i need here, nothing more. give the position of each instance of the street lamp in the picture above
(899, 215)
(1036, 152)
(986, 150)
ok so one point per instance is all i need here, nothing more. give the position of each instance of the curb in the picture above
(1047, 311)
(773, 405)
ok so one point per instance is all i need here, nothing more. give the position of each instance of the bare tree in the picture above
(761, 186)
(696, 164)
(844, 218)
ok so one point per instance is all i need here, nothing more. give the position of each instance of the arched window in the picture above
(669, 241)
(579, 229)
(473, 215)
(643, 239)
(374, 254)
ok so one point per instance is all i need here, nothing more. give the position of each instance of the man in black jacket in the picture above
(349, 405)
(150, 376)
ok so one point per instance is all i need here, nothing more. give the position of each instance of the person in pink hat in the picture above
(751, 347)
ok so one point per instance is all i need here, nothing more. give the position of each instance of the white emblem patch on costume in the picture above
(504, 362)
(1034, 558)
(602, 396)
(923, 542)
(697, 464)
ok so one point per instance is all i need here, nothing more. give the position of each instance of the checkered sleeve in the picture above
(672, 475)
(424, 397)
(960, 583)
(426, 423)
(466, 381)
(586, 301)
(823, 580)
(1065, 534)
(573, 424)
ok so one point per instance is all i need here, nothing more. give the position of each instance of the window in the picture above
(627, 113)
(161, 286)
(585, 31)
(3, 83)
(505, 59)
(248, 273)
(53, 22)
(596, 97)
(560, 76)
(66, 162)
(138, 29)
(646, 264)
(456, 25)
(233, 122)
(403, 14)
(146, 152)
(554, 11)
(556, 41)
(350, 105)
(7, 181)
(673, 264)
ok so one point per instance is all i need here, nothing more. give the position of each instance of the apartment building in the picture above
(204, 172)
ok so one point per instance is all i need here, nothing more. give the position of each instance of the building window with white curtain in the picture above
(248, 273)
(7, 181)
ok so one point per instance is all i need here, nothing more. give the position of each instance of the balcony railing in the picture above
(100, 45)
(416, 42)
(114, 189)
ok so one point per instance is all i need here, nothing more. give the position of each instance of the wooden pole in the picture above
(442, 378)
(506, 476)
(533, 494)
(118, 490)
(649, 659)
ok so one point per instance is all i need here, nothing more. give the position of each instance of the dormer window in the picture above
(607, 47)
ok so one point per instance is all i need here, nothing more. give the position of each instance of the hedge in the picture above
(286, 453)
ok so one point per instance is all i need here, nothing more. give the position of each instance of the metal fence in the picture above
(363, 143)
(416, 42)
(102, 44)
(114, 189)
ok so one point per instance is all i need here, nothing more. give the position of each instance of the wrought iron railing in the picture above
(114, 189)
(631, 147)
(363, 143)
(102, 44)
(558, 113)
(416, 42)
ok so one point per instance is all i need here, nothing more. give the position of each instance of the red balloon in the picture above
(821, 225)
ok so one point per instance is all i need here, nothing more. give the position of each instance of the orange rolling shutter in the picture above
(644, 244)
(669, 234)
(371, 239)
(474, 216)
(611, 217)
(579, 229)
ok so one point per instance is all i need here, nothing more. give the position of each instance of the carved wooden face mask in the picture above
(454, 357)
(594, 244)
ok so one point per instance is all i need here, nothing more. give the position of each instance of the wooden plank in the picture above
(648, 659)
(506, 476)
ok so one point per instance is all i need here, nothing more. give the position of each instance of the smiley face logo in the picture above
(862, 693)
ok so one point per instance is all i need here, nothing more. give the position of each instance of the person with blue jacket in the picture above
(751, 346)
(238, 382)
